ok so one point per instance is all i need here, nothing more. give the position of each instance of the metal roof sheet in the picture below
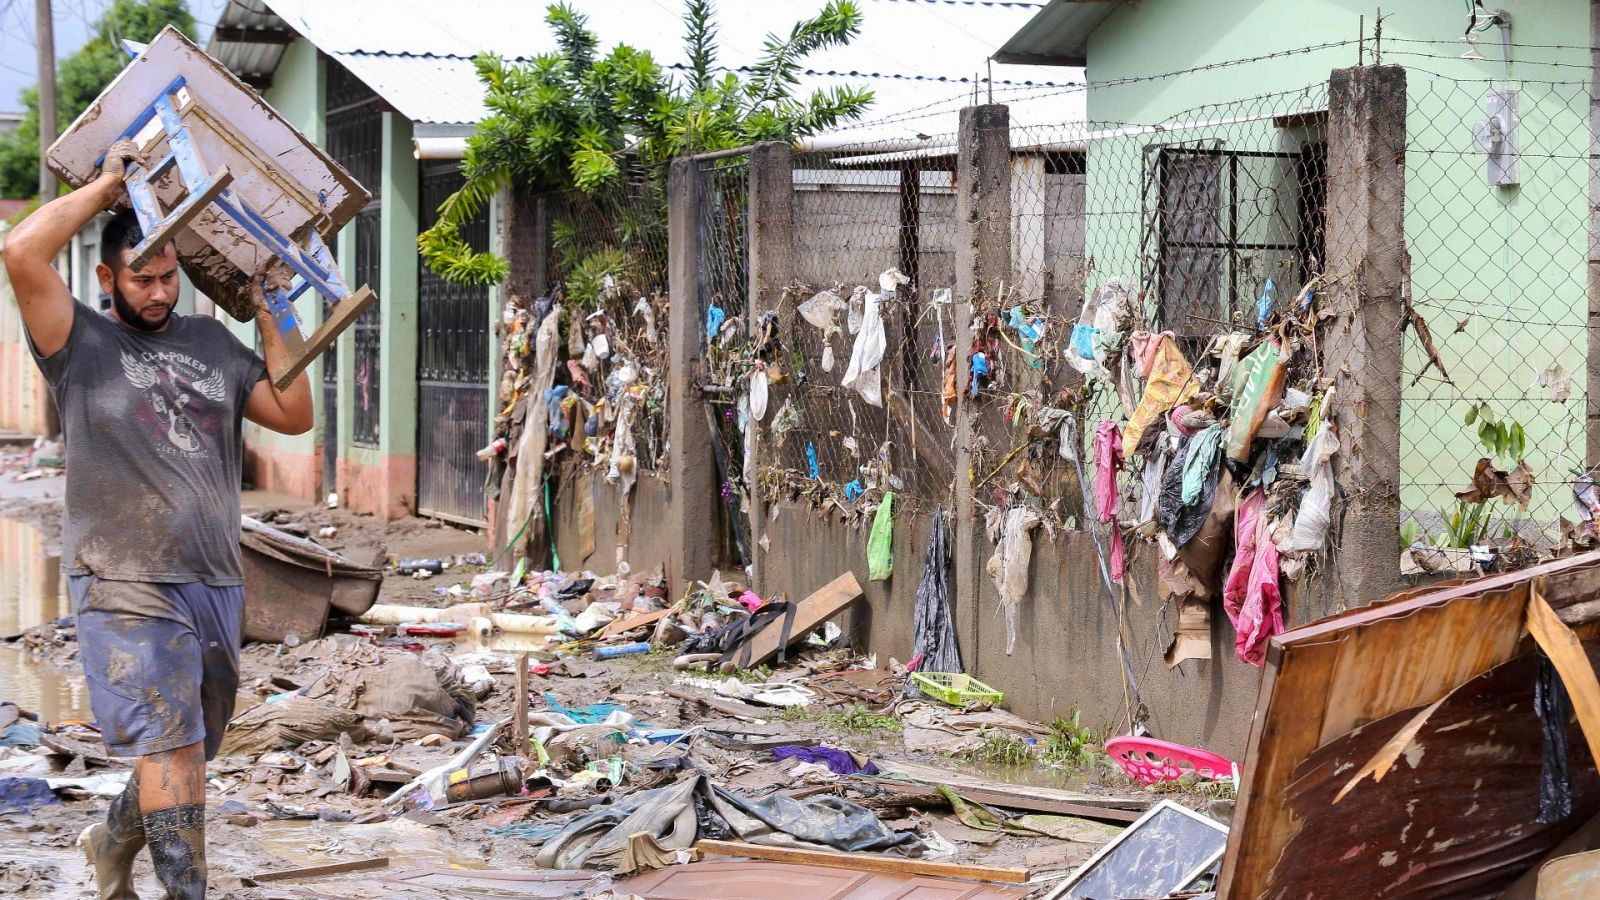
(1058, 35)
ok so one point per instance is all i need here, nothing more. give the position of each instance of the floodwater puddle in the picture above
(33, 591)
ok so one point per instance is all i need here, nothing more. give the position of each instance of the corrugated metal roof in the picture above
(1059, 34)
(416, 54)
(442, 90)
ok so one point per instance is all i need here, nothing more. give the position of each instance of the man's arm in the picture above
(33, 245)
(287, 411)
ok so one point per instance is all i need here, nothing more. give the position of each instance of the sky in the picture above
(74, 20)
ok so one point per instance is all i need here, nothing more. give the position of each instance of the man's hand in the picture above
(288, 411)
(118, 155)
(115, 169)
(32, 246)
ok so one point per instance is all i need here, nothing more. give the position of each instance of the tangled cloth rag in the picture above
(1251, 595)
(933, 630)
(1168, 382)
(839, 762)
(1009, 564)
(1108, 457)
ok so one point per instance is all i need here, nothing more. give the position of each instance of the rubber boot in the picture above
(111, 846)
(177, 839)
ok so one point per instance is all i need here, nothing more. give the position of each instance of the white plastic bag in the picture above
(1311, 523)
(862, 374)
(758, 395)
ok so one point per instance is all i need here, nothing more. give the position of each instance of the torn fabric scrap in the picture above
(1009, 564)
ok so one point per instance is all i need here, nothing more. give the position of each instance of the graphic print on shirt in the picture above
(175, 386)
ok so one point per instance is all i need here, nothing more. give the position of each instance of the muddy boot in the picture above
(177, 838)
(112, 845)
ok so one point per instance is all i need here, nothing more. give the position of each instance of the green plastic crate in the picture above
(955, 688)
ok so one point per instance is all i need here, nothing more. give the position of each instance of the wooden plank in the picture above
(521, 712)
(863, 862)
(344, 315)
(1572, 663)
(726, 707)
(1015, 801)
(639, 621)
(823, 604)
(963, 782)
(338, 868)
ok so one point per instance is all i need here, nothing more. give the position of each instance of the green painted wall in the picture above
(397, 423)
(1498, 272)
(296, 93)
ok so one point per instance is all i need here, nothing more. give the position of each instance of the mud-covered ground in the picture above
(271, 813)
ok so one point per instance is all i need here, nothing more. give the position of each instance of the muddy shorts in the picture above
(162, 661)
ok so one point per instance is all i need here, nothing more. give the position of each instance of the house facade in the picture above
(403, 398)
(1204, 182)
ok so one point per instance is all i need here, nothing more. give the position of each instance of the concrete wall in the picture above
(1065, 656)
(647, 532)
(25, 400)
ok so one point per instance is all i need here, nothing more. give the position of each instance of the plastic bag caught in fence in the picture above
(880, 543)
(1257, 384)
(1311, 522)
(862, 373)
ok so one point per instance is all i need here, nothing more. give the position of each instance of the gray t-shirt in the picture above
(152, 423)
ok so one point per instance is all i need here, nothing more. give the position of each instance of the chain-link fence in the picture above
(1498, 178)
(608, 249)
(722, 204)
(1155, 268)
(875, 265)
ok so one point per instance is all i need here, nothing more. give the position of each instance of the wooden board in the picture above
(639, 621)
(823, 604)
(1332, 676)
(338, 868)
(1013, 795)
(250, 120)
(863, 862)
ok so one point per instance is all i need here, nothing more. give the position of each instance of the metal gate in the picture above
(1219, 222)
(355, 141)
(452, 373)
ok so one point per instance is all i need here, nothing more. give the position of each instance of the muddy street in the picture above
(317, 792)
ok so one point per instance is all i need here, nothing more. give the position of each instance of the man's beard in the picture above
(131, 317)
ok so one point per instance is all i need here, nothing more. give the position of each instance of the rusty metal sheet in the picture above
(762, 880)
(1455, 816)
(1326, 679)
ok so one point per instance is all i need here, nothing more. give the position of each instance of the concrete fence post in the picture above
(691, 489)
(983, 262)
(525, 242)
(770, 222)
(1362, 354)
(1592, 366)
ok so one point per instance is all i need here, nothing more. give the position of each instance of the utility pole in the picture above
(44, 38)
